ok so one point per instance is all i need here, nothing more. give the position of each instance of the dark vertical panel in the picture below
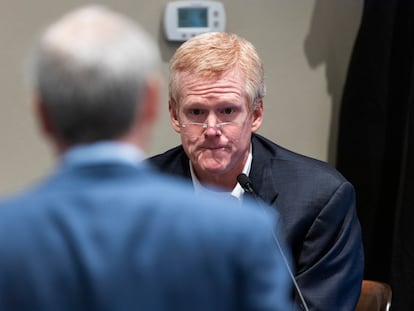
(376, 137)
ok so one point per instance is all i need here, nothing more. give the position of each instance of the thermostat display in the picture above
(192, 17)
(185, 19)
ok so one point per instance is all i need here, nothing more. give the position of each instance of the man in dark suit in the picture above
(216, 93)
(105, 231)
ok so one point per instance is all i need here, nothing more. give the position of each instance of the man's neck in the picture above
(224, 181)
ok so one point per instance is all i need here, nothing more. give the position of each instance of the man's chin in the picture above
(213, 167)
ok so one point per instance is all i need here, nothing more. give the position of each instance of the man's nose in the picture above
(212, 128)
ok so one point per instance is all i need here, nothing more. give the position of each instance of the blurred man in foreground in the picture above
(104, 231)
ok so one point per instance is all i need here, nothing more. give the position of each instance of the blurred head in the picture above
(94, 72)
(216, 91)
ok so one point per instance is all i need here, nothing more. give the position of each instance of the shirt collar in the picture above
(103, 152)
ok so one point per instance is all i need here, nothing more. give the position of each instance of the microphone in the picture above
(246, 184)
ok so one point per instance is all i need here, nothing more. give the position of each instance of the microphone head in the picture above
(243, 180)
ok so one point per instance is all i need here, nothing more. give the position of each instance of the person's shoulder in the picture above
(288, 159)
(179, 194)
(166, 156)
(15, 211)
(173, 161)
(219, 216)
(13, 201)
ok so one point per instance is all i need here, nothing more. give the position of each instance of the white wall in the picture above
(304, 44)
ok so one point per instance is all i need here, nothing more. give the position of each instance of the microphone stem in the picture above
(245, 183)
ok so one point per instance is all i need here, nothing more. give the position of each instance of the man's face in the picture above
(215, 122)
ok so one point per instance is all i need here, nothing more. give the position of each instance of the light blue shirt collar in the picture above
(103, 152)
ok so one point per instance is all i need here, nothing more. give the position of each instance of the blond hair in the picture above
(211, 55)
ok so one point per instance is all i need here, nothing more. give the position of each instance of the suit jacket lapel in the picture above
(180, 164)
(261, 173)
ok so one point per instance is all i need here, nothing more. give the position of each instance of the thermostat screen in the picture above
(192, 17)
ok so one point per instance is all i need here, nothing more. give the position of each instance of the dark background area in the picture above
(376, 142)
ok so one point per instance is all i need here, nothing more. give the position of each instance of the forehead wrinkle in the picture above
(199, 86)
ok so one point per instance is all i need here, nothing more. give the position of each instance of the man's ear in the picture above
(46, 125)
(149, 111)
(174, 117)
(42, 117)
(257, 115)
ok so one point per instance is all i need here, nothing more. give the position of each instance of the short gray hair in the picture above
(89, 69)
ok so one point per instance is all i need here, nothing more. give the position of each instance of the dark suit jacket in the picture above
(317, 206)
(117, 237)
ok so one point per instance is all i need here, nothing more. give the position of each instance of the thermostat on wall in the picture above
(185, 19)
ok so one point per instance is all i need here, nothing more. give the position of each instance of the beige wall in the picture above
(305, 46)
